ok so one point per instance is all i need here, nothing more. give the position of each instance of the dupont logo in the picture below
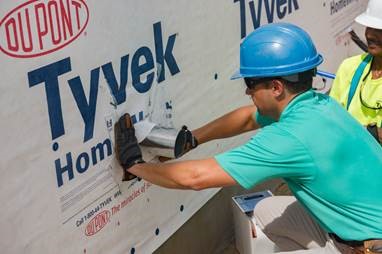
(97, 223)
(38, 27)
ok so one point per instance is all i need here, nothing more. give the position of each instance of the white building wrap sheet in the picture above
(70, 68)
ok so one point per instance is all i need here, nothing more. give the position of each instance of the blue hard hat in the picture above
(277, 50)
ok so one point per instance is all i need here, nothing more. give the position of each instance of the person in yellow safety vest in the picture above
(358, 82)
(329, 161)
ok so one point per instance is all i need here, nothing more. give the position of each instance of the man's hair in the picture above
(298, 87)
(300, 82)
(294, 83)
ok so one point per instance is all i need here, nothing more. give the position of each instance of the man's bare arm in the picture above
(231, 124)
(196, 174)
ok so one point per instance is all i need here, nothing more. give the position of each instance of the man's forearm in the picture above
(231, 124)
(169, 175)
(195, 175)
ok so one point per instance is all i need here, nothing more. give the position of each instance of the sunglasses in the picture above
(375, 105)
(251, 83)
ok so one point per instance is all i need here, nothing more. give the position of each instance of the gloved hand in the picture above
(127, 149)
(184, 142)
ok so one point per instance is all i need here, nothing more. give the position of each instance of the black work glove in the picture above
(127, 149)
(184, 142)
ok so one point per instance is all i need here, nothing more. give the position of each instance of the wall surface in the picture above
(71, 68)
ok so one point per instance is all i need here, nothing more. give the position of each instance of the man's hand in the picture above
(127, 150)
(184, 142)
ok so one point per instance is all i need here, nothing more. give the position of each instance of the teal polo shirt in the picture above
(330, 162)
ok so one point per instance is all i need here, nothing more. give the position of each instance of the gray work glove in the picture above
(184, 142)
(127, 149)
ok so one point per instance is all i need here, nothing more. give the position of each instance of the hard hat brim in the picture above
(369, 21)
(237, 75)
(289, 70)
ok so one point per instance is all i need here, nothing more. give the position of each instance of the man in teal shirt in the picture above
(331, 164)
(302, 147)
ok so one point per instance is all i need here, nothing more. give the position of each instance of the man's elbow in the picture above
(198, 186)
(193, 181)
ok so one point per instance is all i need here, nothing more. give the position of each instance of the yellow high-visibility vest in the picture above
(371, 91)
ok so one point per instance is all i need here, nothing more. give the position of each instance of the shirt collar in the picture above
(296, 100)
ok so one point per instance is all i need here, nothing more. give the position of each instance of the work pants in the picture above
(284, 221)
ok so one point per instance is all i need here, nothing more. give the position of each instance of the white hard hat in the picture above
(372, 17)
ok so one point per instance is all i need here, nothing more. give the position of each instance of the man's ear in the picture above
(278, 88)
